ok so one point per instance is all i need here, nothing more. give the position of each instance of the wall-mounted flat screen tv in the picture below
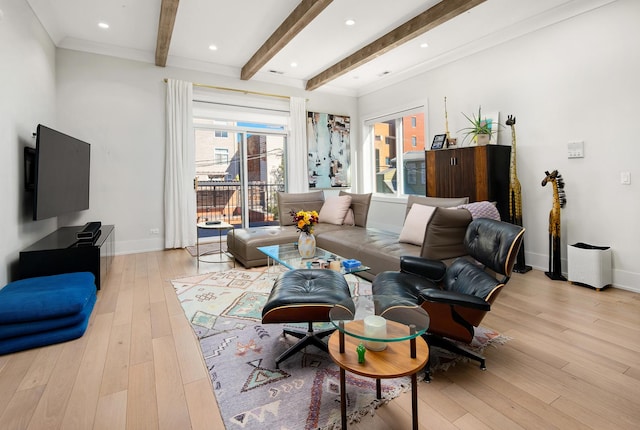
(60, 174)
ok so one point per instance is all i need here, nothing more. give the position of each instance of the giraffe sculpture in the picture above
(559, 200)
(515, 197)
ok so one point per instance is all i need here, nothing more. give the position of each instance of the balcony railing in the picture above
(222, 200)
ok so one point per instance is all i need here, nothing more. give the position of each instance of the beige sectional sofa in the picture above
(378, 249)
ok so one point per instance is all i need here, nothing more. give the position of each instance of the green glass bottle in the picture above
(361, 350)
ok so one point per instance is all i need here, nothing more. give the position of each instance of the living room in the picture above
(568, 79)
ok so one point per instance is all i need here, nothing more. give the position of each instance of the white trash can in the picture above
(589, 265)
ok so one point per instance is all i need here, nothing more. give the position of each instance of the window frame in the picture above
(370, 166)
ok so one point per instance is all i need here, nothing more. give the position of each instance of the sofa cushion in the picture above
(415, 224)
(335, 209)
(360, 205)
(287, 202)
(444, 237)
(441, 202)
(46, 297)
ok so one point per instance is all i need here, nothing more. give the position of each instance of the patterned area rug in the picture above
(225, 310)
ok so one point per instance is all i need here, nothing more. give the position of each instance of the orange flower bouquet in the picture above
(305, 220)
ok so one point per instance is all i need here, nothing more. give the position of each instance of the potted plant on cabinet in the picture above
(480, 129)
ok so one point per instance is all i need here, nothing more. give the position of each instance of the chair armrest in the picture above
(453, 298)
(434, 270)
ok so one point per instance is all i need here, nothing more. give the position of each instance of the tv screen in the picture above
(61, 174)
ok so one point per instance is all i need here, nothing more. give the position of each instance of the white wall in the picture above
(118, 106)
(576, 80)
(27, 97)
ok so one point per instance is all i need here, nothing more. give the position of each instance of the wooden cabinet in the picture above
(479, 172)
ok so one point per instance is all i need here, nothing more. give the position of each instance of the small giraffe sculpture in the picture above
(515, 197)
(559, 200)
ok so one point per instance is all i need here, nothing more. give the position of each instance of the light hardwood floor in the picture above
(573, 362)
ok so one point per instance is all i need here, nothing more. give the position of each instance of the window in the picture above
(399, 153)
(219, 133)
(221, 156)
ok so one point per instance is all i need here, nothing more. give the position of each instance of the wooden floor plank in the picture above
(19, 411)
(142, 407)
(192, 366)
(116, 368)
(173, 412)
(80, 412)
(13, 372)
(111, 413)
(203, 408)
(42, 367)
(55, 398)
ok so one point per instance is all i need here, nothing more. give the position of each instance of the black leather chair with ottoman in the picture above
(305, 295)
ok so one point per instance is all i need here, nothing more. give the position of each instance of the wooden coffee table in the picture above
(405, 353)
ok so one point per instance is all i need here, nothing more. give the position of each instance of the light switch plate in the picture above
(576, 149)
(625, 178)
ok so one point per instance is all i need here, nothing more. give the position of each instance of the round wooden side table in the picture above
(404, 354)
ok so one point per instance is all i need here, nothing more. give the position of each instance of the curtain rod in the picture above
(213, 87)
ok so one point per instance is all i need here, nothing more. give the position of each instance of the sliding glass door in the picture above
(239, 169)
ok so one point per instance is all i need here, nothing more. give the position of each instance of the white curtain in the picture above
(179, 195)
(297, 174)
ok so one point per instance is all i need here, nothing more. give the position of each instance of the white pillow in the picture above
(415, 224)
(334, 209)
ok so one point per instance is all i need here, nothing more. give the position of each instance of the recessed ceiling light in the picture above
(103, 25)
(294, 64)
(424, 45)
(349, 22)
(213, 47)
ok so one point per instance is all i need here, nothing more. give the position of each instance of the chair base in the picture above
(309, 338)
(443, 343)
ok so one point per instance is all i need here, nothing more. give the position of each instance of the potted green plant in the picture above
(480, 130)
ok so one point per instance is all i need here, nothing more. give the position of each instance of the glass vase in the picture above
(307, 245)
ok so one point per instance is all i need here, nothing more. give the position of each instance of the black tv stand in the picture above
(61, 252)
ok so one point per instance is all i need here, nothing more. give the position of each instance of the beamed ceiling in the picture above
(305, 43)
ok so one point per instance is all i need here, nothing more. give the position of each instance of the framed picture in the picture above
(438, 141)
(328, 150)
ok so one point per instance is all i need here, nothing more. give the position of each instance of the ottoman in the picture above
(305, 295)
(45, 310)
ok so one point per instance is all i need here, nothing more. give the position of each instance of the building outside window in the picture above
(403, 170)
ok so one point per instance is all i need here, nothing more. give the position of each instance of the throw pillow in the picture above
(334, 209)
(415, 224)
(482, 210)
(445, 234)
